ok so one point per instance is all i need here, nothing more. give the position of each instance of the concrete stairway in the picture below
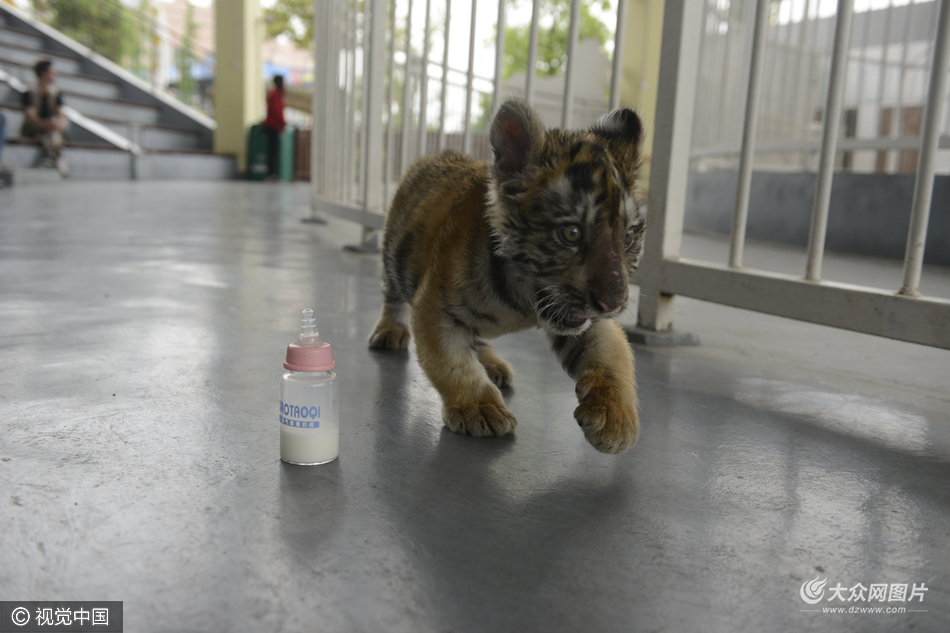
(119, 127)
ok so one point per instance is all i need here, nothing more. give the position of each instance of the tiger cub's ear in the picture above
(517, 137)
(623, 131)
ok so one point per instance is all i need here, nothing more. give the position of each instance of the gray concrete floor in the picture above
(143, 327)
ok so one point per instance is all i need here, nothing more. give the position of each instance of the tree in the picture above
(555, 15)
(105, 26)
(186, 55)
(293, 18)
(141, 50)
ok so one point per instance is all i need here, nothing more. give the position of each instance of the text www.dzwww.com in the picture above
(864, 609)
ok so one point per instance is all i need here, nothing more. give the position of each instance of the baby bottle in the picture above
(309, 399)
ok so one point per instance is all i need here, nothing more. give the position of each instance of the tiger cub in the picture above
(547, 236)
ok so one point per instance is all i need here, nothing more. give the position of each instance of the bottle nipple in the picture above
(309, 335)
(309, 352)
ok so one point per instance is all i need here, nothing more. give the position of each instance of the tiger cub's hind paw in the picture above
(500, 373)
(480, 420)
(498, 369)
(392, 337)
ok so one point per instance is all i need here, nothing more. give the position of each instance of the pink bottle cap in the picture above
(310, 352)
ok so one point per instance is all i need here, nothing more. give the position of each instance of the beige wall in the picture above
(239, 87)
(641, 67)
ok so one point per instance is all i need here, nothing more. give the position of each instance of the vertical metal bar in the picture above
(351, 164)
(799, 112)
(770, 57)
(440, 145)
(424, 82)
(812, 56)
(784, 100)
(373, 51)
(567, 109)
(866, 36)
(923, 187)
(701, 138)
(882, 74)
(725, 82)
(531, 70)
(346, 127)
(334, 116)
(388, 174)
(715, 123)
(365, 46)
(905, 54)
(318, 156)
(738, 27)
(741, 214)
(469, 82)
(499, 57)
(338, 122)
(335, 112)
(616, 73)
(407, 97)
(676, 94)
(829, 141)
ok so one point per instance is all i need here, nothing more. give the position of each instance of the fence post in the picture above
(676, 97)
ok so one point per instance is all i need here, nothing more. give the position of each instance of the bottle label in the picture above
(299, 417)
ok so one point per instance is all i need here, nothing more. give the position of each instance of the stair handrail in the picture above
(102, 131)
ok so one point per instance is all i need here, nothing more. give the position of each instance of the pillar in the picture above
(239, 89)
(641, 68)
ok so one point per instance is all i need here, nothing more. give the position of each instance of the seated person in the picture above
(44, 118)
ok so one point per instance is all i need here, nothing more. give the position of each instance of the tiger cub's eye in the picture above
(570, 234)
(629, 238)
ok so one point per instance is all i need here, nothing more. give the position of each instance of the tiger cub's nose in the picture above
(604, 306)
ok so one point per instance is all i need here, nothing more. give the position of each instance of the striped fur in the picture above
(547, 236)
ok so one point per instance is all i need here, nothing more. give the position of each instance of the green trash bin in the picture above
(256, 153)
(288, 155)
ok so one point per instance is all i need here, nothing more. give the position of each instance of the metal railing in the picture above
(380, 102)
(900, 313)
(383, 93)
(887, 57)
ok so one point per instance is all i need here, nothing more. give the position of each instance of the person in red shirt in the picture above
(273, 125)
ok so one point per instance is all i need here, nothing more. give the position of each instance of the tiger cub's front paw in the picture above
(607, 412)
(484, 419)
(391, 337)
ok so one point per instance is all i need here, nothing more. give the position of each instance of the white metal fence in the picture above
(887, 59)
(383, 97)
(898, 313)
(387, 92)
